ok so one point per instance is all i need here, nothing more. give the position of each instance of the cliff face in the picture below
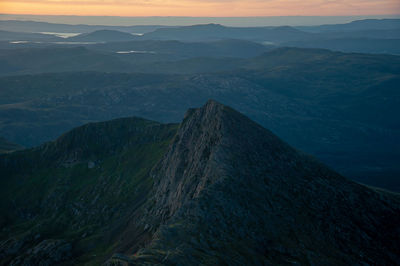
(230, 192)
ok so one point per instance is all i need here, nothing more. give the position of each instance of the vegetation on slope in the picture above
(81, 189)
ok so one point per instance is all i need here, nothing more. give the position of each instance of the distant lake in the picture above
(77, 43)
(61, 34)
(16, 42)
(135, 52)
(72, 34)
(268, 43)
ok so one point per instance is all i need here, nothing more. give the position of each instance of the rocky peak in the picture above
(218, 190)
(195, 145)
(215, 142)
(230, 186)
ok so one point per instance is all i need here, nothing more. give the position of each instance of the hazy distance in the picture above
(181, 21)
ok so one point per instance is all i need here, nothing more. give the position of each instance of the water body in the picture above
(17, 42)
(78, 43)
(135, 52)
(61, 34)
(75, 42)
(268, 43)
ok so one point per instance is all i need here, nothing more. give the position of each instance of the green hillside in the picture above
(82, 188)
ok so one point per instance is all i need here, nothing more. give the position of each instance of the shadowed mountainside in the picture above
(6, 146)
(339, 107)
(136, 56)
(355, 45)
(222, 190)
(70, 200)
(229, 191)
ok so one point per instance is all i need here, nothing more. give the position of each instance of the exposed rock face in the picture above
(230, 192)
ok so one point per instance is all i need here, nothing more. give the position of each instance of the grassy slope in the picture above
(77, 188)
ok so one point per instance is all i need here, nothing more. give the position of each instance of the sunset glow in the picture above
(220, 8)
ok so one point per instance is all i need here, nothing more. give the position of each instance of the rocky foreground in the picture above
(222, 191)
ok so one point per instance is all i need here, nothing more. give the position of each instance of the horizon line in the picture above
(270, 16)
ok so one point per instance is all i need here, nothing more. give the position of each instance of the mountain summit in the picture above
(230, 192)
(222, 190)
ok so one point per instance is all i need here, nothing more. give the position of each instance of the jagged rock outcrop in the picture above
(230, 192)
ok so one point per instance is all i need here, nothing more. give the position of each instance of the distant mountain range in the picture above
(339, 107)
(23, 36)
(6, 146)
(55, 59)
(357, 25)
(365, 36)
(210, 32)
(216, 32)
(36, 26)
(136, 56)
(359, 45)
(215, 189)
(102, 36)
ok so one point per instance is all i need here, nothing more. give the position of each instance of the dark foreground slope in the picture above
(229, 192)
(226, 191)
(68, 201)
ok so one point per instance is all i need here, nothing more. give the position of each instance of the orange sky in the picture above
(217, 8)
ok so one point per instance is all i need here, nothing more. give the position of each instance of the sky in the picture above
(201, 8)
